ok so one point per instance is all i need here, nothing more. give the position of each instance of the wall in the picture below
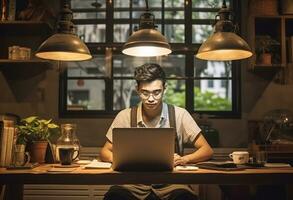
(38, 95)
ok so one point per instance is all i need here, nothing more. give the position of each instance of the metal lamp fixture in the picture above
(224, 44)
(146, 41)
(65, 45)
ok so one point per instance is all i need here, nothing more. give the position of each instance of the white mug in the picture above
(240, 157)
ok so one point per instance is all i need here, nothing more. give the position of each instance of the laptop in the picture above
(143, 149)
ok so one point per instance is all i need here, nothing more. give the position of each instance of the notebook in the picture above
(226, 165)
(143, 149)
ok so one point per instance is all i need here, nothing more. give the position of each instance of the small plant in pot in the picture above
(265, 47)
(36, 133)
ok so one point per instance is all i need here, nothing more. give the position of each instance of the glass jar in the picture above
(68, 139)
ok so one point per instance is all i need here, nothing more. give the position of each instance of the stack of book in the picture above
(8, 8)
(7, 141)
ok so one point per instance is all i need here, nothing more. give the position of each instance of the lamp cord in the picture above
(224, 4)
(147, 5)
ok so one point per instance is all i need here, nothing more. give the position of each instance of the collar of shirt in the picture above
(163, 119)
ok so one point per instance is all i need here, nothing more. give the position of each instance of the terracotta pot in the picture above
(265, 59)
(38, 151)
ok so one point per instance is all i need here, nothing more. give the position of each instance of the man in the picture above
(152, 112)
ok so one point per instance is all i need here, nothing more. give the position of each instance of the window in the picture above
(105, 84)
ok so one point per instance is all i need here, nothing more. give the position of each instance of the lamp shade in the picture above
(146, 43)
(63, 47)
(223, 46)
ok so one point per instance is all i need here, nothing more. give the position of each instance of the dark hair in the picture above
(149, 72)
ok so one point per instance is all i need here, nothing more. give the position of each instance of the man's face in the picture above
(151, 94)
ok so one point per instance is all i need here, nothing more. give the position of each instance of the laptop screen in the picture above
(143, 149)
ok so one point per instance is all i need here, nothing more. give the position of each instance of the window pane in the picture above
(152, 3)
(89, 15)
(124, 95)
(175, 33)
(204, 68)
(204, 15)
(216, 98)
(85, 94)
(137, 14)
(175, 93)
(173, 65)
(95, 67)
(174, 3)
(208, 3)
(121, 32)
(92, 32)
(174, 14)
(201, 32)
(121, 3)
(75, 4)
(121, 15)
(123, 66)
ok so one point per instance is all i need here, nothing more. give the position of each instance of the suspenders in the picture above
(172, 122)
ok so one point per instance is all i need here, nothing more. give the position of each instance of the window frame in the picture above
(187, 48)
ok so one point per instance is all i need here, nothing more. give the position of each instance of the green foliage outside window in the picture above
(210, 101)
(175, 94)
(203, 100)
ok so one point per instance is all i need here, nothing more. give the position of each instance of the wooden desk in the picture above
(14, 179)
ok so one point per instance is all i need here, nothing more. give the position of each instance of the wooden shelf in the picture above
(28, 34)
(278, 28)
(24, 27)
(9, 61)
(4, 63)
(269, 66)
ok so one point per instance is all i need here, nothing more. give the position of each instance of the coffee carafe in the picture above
(68, 140)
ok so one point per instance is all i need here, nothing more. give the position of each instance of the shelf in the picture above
(4, 63)
(279, 28)
(22, 61)
(23, 69)
(24, 27)
(269, 66)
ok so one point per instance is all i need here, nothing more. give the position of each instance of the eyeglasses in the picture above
(156, 94)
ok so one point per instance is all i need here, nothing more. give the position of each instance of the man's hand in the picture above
(178, 160)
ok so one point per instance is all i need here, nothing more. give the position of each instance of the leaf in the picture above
(52, 126)
(42, 121)
(30, 119)
(46, 121)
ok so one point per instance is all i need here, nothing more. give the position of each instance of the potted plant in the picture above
(36, 133)
(265, 46)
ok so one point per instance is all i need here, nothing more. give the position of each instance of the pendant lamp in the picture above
(224, 44)
(146, 41)
(65, 45)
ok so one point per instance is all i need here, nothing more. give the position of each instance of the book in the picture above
(11, 10)
(95, 164)
(9, 145)
(3, 146)
(186, 168)
(219, 165)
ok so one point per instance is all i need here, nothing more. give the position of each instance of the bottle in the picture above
(68, 139)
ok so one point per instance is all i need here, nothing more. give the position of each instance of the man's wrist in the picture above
(186, 159)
